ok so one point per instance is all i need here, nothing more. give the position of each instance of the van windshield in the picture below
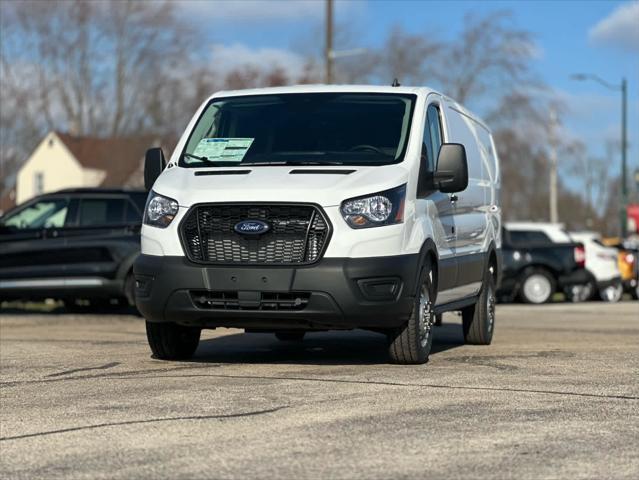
(301, 129)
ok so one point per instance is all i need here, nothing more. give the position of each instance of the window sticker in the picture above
(223, 149)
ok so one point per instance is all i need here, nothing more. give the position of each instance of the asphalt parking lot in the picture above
(555, 396)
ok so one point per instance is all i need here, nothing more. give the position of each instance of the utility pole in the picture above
(623, 201)
(328, 54)
(552, 140)
(624, 162)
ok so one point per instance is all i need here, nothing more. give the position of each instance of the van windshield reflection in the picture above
(301, 129)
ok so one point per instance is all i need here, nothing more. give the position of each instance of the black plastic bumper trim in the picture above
(335, 299)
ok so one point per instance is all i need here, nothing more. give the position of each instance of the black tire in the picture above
(589, 291)
(541, 277)
(170, 341)
(611, 294)
(478, 320)
(634, 292)
(291, 336)
(411, 343)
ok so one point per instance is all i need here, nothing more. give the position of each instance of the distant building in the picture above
(65, 161)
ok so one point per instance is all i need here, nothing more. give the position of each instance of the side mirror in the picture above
(452, 168)
(154, 163)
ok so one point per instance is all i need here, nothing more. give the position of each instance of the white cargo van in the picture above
(297, 209)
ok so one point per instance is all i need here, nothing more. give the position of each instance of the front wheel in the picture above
(411, 343)
(478, 320)
(170, 341)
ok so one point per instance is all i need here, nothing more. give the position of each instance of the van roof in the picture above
(321, 88)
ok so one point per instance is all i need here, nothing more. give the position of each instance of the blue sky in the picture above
(599, 37)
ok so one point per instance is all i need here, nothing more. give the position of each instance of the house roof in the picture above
(118, 157)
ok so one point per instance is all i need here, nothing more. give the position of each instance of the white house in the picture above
(66, 161)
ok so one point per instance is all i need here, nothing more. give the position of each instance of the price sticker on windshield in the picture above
(223, 149)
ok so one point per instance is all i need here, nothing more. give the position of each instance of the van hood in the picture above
(326, 186)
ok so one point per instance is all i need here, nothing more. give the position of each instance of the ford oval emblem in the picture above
(251, 227)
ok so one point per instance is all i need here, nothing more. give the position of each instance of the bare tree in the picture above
(490, 55)
(411, 58)
(89, 64)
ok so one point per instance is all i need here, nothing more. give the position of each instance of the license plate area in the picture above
(249, 279)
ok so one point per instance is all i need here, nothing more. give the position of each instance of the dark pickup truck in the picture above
(535, 267)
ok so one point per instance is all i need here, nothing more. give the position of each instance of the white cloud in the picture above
(620, 28)
(226, 58)
(258, 10)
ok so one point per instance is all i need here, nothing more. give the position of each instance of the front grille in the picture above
(297, 235)
(277, 301)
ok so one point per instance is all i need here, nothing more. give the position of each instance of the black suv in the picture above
(72, 244)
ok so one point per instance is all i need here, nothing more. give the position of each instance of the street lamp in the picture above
(624, 105)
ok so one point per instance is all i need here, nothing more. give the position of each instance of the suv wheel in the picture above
(170, 341)
(478, 320)
(411, 343)
(537, 286)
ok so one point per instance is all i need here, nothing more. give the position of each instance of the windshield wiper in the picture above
(196, 157)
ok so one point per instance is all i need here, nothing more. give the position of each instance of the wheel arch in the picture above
(126, 266)
(428, 252)
(538, 266)
(493, 258)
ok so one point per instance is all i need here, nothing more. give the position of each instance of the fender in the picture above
(126, 266)
(428, 249)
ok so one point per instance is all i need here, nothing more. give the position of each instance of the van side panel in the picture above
(470, 211)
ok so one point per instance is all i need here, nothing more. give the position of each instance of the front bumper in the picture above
(333, 293)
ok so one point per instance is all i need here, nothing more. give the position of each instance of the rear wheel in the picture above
(412, 342)
(290, 336)
(478, 320)
(538, 286)
(170, 341)
(612, 293)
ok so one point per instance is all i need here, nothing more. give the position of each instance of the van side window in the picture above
(427, 149)
(435, 131)
(432, 139)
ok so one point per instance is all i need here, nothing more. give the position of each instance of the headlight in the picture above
(160, 211)
(375, 210)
